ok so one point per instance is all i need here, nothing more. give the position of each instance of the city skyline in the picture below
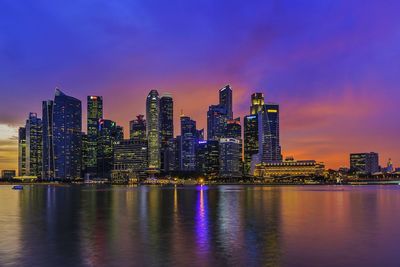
(335, 77)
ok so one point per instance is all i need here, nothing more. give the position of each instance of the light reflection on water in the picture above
(200, 226)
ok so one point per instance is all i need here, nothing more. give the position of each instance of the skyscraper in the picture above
(257, 103)
(268, 134)
(153, 129)
(67, 134)
(250, 135)
(137, 128)
(188, 144)
(85, 156)
(34, 145)
(225, 100)
(234, 129)
(166, 124)
(171, 155)
(94, 115)
(130, 160)
(250, 138)
(229, 158)
(207, 158)
(109, 135)
(47, 139)
(216, 122)
(22, 151)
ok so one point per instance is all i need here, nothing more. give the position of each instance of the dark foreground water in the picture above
(200, 226)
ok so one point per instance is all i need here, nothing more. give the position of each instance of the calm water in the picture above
(200, 226)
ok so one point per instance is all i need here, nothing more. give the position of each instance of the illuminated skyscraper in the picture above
(207, 159)
(94, 114)
(257, 103)
(85, 156)
(225, 100)
(67, 134)
(130, 160)
(21, 151)
(47, 139)
(188, 144)
(216, 122)
(250, 140)
(166, 124)
(268, 134)
(171, 155)
(109, 135)
(234, 129)
(229, 158)
(137, 129)
(153, 129)
(250, 133)
(34, 145)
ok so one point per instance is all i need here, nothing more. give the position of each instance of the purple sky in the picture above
(334, 66)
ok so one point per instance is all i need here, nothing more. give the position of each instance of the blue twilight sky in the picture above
(332, 65)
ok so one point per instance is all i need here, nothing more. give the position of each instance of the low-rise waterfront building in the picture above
(364, 163)
(8, 174)
(289, 167)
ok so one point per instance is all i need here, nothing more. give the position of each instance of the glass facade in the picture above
(67, 134)
(153, 129)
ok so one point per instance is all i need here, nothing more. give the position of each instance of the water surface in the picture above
(200, 226)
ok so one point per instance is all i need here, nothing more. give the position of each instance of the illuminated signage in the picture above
(272, 111)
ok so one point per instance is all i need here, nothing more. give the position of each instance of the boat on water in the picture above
(17, 187)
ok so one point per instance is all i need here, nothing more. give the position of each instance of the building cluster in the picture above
(54, 147)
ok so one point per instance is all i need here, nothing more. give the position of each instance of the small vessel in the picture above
(17, 187)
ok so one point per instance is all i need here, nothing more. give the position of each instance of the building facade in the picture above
(22, 151)
(188, 144)
(207, 159)
(130, 160)
(364, 163)
(230, 158)
(166, 126)
(153, 130)
(34, 128)
(250, 137)
(94, 115)
(225, 100)
(269, 134)
(109, 135)
(67, 134)
(290, 168)
(48, 160)
(137, 128)
(216, 122)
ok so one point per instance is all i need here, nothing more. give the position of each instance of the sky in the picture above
(333, 66)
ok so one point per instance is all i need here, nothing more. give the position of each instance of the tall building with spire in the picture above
(153, 129)
(67, 134)
(34, 145)
(94, 115)
(166, 126)
(47, 139)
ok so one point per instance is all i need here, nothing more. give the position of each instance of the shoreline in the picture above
(351, 183)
